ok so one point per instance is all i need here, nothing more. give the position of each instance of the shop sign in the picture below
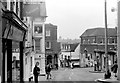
(38, 29)
(34, 10)
(15, 34)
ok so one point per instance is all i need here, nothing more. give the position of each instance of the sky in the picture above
(73, 17)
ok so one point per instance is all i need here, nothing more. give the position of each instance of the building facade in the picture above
(93, 45)
(35, 39)
(52, 47)
(13, 31)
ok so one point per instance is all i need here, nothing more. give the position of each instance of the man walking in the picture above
(36, 72)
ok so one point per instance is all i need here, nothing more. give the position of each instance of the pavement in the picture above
(111, 80)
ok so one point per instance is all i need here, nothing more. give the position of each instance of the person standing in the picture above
(36, 72)
(114, 68)
(48, 70)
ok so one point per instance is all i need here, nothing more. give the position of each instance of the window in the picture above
(37, 44)
(94, 41)
(31, 64)
(17, 9)
(47, 32)
(113, 40)
(88, 41)
(48, 45)
(101, 41)
(83, 41)
(26, 61)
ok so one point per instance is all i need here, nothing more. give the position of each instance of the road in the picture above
(76, 74)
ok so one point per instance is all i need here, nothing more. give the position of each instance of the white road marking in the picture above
(71, 74)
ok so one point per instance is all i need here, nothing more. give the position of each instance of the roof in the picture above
(73, 46)
(50, 26)
(99, 32)
(68, 41)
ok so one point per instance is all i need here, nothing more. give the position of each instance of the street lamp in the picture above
(107, 73)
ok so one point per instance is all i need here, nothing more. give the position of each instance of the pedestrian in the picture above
(48, 70)
(95, 65)
(107, 74)
(56, 66)
(114, 68)
(72, 65)
(36, 72)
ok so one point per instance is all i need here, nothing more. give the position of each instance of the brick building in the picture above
(93, 41)
(52, 46)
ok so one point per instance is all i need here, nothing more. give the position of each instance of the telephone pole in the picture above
(106, 43)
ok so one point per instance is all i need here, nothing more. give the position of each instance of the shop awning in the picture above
(14, 28)
(103, 52)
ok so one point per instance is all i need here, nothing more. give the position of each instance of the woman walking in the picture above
(114, 68)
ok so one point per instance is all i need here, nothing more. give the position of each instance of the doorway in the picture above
(12, 61)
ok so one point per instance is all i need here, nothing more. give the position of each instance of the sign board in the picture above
(38, 29)
(34, 10)
(15, 34)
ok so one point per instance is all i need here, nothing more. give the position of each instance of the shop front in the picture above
(13, 37)
(100, 59)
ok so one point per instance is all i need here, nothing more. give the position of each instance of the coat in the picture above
(36, 71)
(114, 68)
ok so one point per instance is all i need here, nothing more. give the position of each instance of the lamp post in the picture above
(107, 73)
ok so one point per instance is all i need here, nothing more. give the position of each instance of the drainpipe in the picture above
(118, 41)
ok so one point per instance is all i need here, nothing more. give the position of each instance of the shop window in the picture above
(48, 45)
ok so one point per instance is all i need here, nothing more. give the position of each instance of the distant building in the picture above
(69, 50)
(93, 44)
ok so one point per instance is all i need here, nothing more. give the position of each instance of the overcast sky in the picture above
(73, 17)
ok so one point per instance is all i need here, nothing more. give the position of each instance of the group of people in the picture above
(36, 71)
